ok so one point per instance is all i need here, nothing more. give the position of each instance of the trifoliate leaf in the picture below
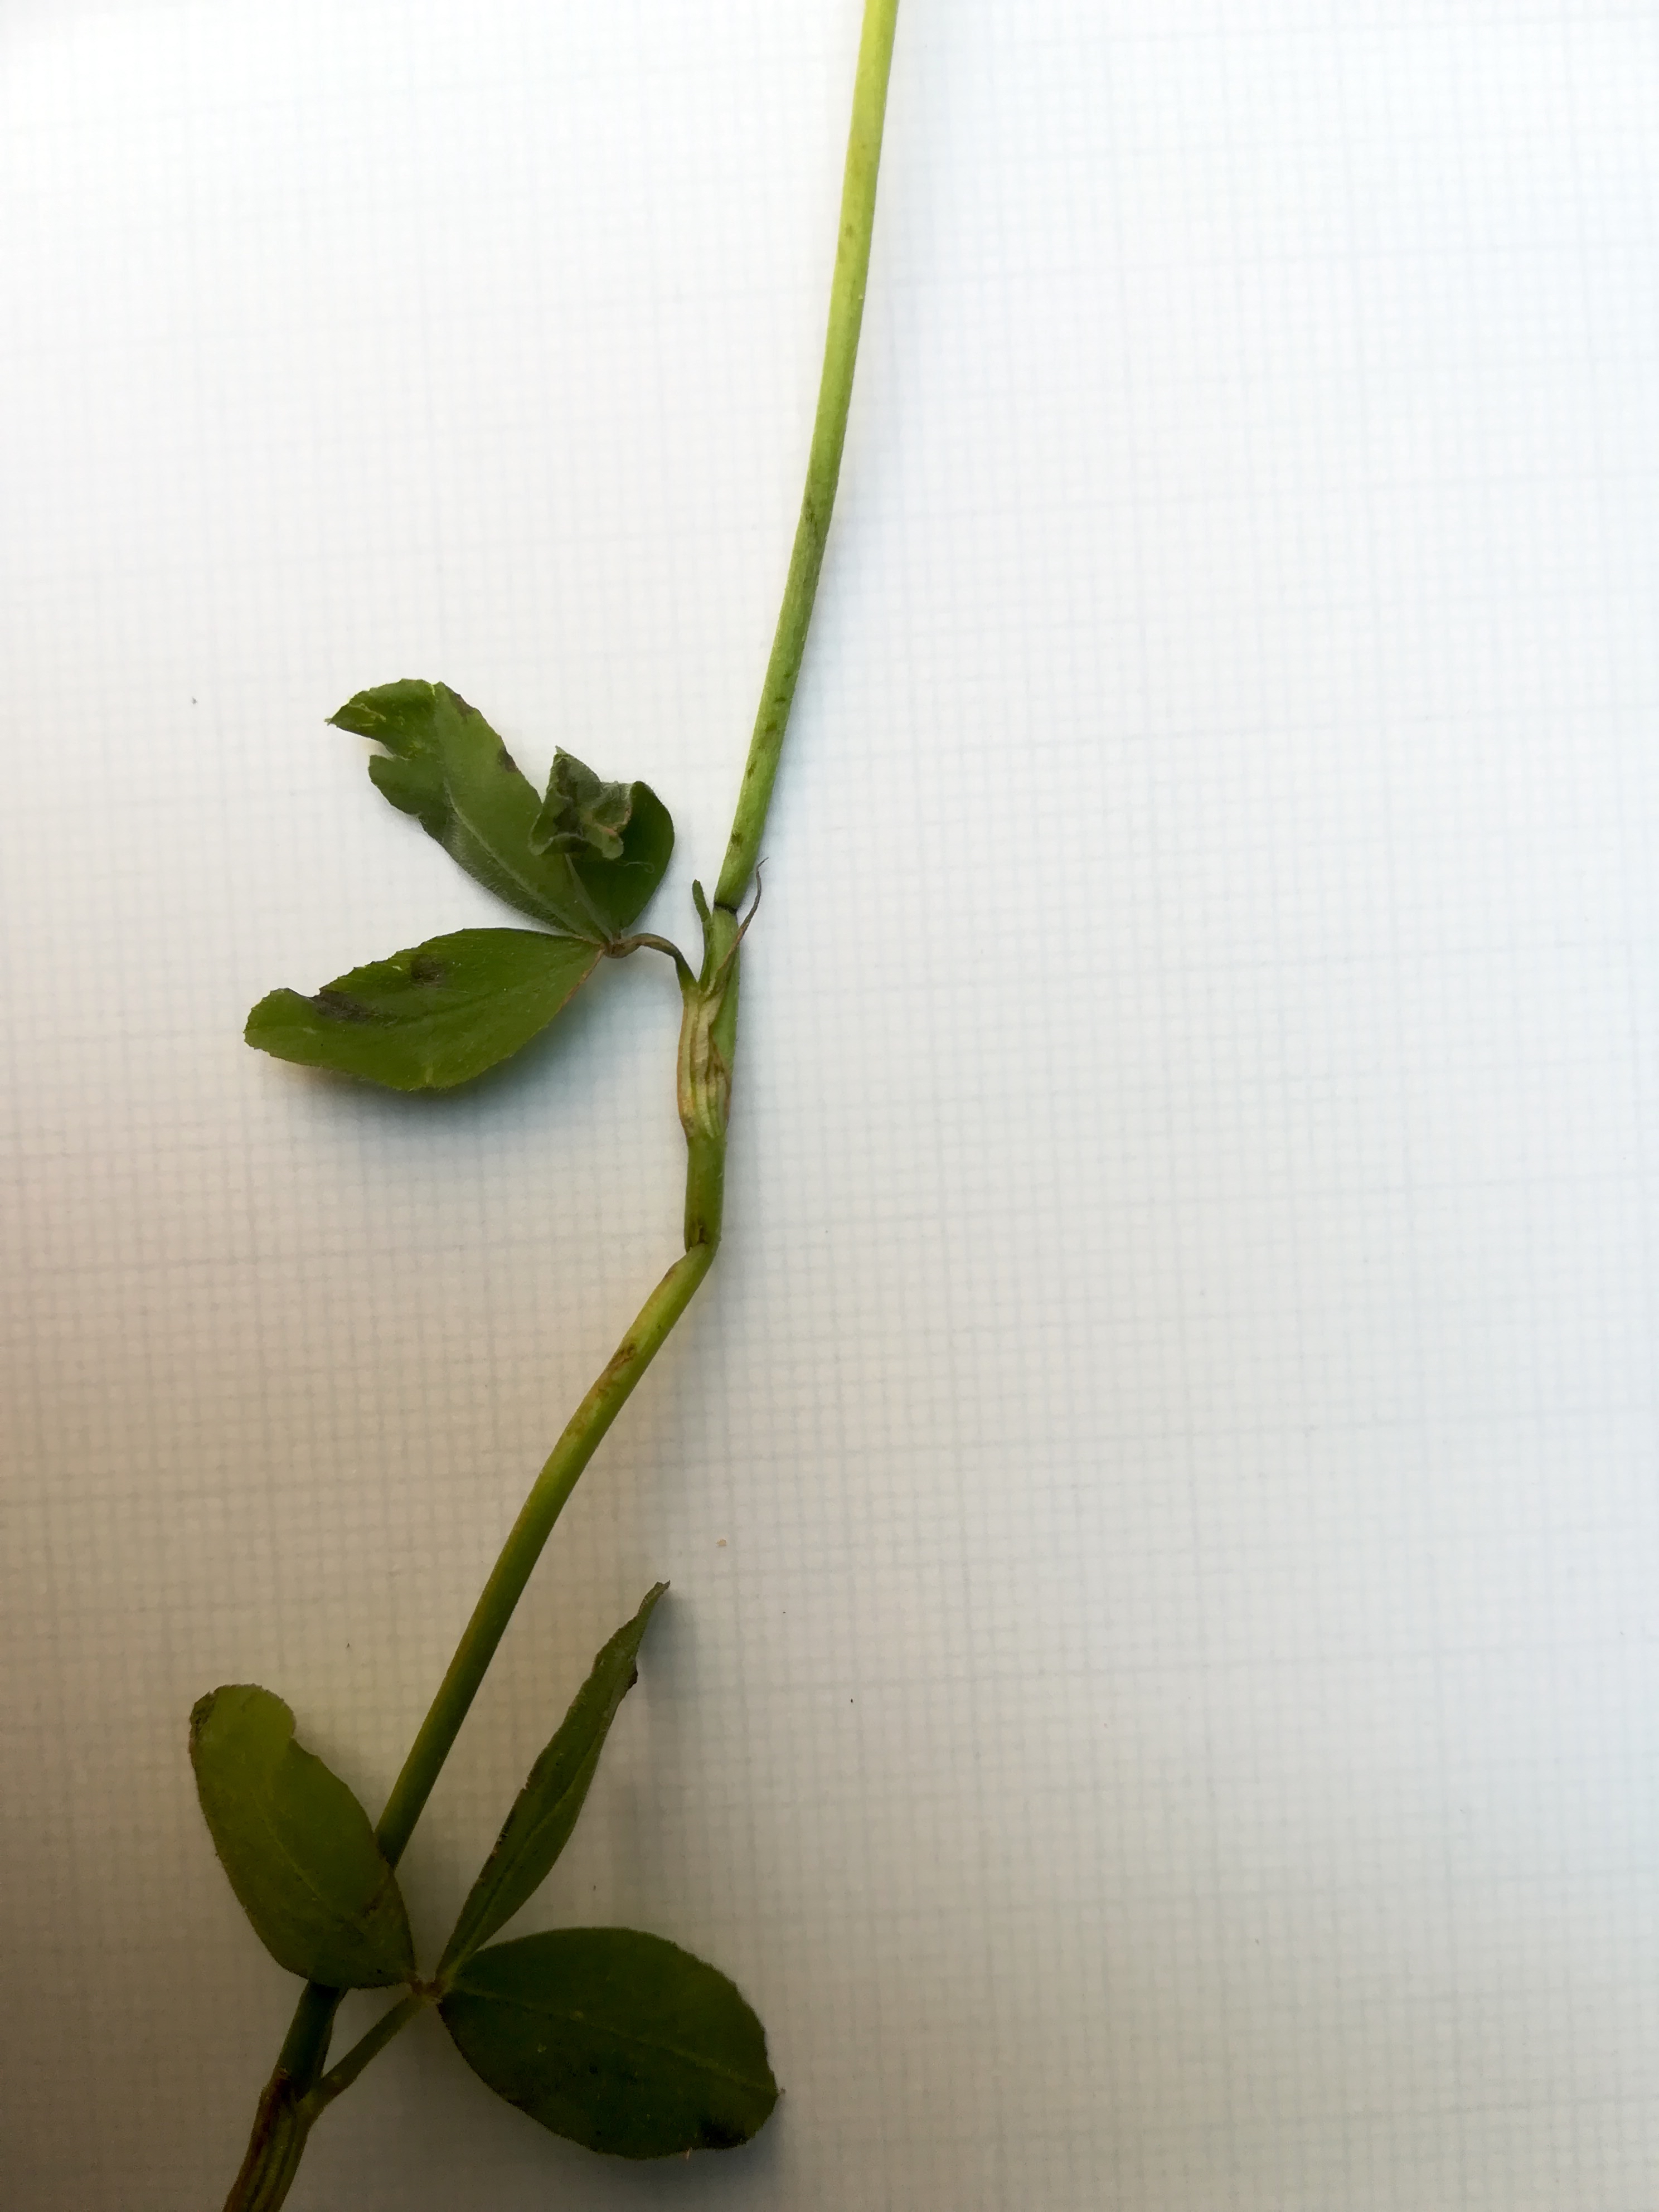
(433, 1016)
(541, 1820)
(619, 2040)
(297, 1846)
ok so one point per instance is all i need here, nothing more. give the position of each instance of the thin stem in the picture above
(305, 2047)
(522, 1548)
(298, 2090)
(621, 947)
(857, 216)
(367, 2046)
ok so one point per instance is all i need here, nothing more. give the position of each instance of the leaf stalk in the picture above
(369, 2045)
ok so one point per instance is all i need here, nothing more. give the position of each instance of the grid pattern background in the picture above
(1157, 1704)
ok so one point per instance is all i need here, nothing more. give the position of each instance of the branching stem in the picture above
(299, 2088)
(367, 2046)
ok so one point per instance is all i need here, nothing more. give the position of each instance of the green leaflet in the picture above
(445, 765)
(433, 1016)
(619, 2040)
(581, 813)
(546, 1808)
(621, 889)
(297, 1846)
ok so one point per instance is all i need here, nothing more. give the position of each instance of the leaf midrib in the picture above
(463, 1001)
(617, 2035)
(330, 1911)
(506, 867)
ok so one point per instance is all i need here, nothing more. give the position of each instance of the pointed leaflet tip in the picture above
(547, 1808)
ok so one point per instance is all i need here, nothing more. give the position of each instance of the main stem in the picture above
(840, 348)
(298, 2089)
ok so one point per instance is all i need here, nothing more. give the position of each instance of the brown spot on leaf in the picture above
(340, 1006)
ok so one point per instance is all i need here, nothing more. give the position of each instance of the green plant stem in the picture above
(295, 2095)
(857, 216)
(522, 1548)
(370, 2045)
(306, 2044)
(274, 2148)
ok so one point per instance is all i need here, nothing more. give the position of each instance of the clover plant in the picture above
(616, 2040)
